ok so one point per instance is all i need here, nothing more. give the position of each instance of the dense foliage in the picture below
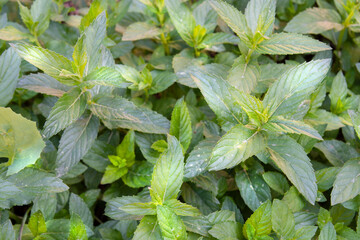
(180, 119)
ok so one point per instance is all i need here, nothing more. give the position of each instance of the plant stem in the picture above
(165, 43)
(23, 223)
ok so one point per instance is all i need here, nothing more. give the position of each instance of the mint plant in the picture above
(173, 119)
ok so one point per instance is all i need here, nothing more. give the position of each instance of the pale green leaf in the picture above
(280, 124)
(113, 173)
(20, 140)
(66, 111)
(80, 56)
(140, 30)
(96, 8)
(227, 230)
(40, 12)
(355, 119)
(148, 229)
(260, 16)
(328, 232)
(138, 175)
(260, 220)
(105, 76)
(118, 112)
(244, 76)
(171, 225)
(338, 93)
(290, 157)
(37, 224)
(282, 219)
(182, 209)
(347, 182)
(75, 142)
(218, 38)
(43, 83)
(290, 43)
(161, 81)
(219, 95)
(236, 146)
(182, 19)
(305, 233)
(52, 63)
(7, 231)
(233, 17)
(276, 181)
(77, 229)
(77, 206)
(180, 125)
(8, 191)
(294, 86)
(168, 172)
(315, 21)
(139, 208)
(10, 33)
(9, 73)
(325, 177)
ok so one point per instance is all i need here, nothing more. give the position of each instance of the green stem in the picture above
(197, 52)
(23, 223)
(165, 43)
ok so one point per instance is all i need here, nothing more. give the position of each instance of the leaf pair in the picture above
(267, 119)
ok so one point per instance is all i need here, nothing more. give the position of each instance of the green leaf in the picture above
(233, 18)
(161, 81)
(7, 231)
(113, 207)
(280, 124)
(172, 227)
(325, 178)
(294, 200)
(260, 220)
(77, 228)
(32, 183)
(198, 158)
(276, 181)
(11, 33)
(9, 73)
(139, 175)
(236, 146)
(338, 93)
(66, 111)
(337, 152)
(148, 229)
(290, 43)
(219, 95)
(8, 191)
(347, 182)
(43, 83)
(140, 30)
(282, 219)
(20, 140)
(315, 21)
(182, 19)
(113, 173)
(244, 76)
(328, 232)
(204, 200)
(180, 125)
(182, 209)
(168, 173)
(52, 63)
(290, 157)
(26, 17)
(294, 86)
(80, 56)
(118, 112)
(46, 204)
(305, 233)
(218, 38)
(226, 230)
(355, 119)
(260, 16)
(78, 207)
(253, 188)
(139, 208)
(96, 8)
(37, 224)
(126, 149)
(75, 142)
(105, 76)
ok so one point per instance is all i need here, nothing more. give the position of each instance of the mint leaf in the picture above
(168, 173)
(260, 220)
(282, 219)
(20, 140)
(77, 228)
(180, 125)
(170, 224)
(290, 157)
(37, 224)
(9, 73)
(148, 229)
(290, 43)
(236, 146)
(346, 185)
